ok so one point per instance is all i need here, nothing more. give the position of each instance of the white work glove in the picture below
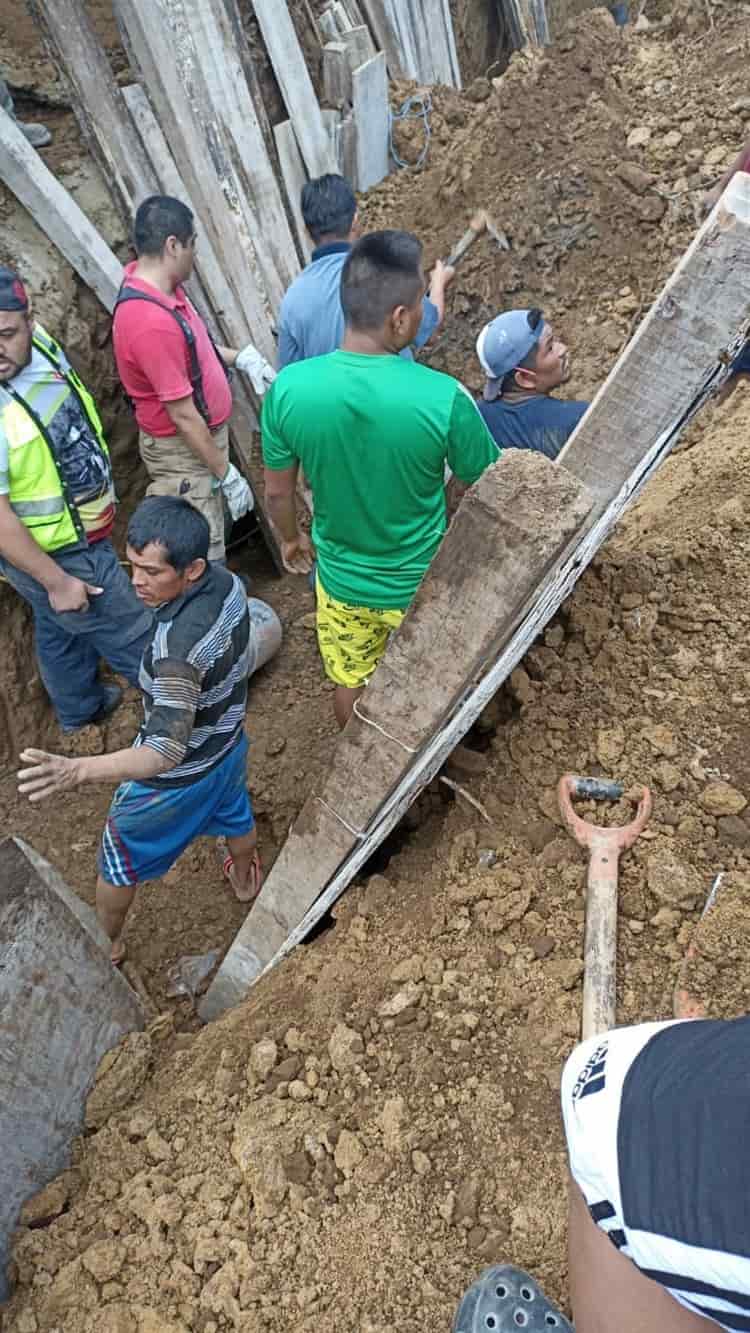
(240, 499)
(257, 369)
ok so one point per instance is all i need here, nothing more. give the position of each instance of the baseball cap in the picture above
(12, 291)
(503, 344)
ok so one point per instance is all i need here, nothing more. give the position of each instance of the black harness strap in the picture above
(194, 371)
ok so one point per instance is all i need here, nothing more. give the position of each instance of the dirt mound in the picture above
(717, 972)
(381, 1118)
(593, 157)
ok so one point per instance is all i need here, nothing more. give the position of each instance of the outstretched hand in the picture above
(46, 774)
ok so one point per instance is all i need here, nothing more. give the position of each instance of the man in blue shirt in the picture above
(312, 321)
(524, 362)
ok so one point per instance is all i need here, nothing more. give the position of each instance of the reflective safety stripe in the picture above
(36, 508)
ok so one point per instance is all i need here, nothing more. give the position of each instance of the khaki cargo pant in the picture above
(173, 469)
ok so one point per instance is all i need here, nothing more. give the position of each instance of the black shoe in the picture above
(112, 700)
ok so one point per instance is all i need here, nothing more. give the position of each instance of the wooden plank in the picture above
(353, 13)
(342, 18)
(525, 22)
(347, 147)
(454, 631)
(294, 177)
(336, 74)
(381, 26)
(329, 28)
(370, 103)
(57, 213)
(294, 80)
(452, 47)
(699, 317)
(215, 39)
(97, 101)
(159, 36)
(218, 296)
(359, 46)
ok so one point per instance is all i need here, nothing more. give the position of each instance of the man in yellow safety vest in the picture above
(57, 506)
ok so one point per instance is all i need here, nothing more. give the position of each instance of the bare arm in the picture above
(440, 279)
(714, 195)
(190, 425)
(45, 774)
(18, 547)
(280, 491)
(228, 354)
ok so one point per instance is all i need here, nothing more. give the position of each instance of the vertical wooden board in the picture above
(381, 26)
(259, 196)
(97, 101)
(673, 353)
(219, 296)
(294, 80)
(405, 26)
(347, 148)
(329, 28)
(294, 177)
(452, 47)
(332, 121)
(336, 74)
(354, 14)
(157, 37)
(56, 213)
(370, 103)
(341, 16)
(359, 46)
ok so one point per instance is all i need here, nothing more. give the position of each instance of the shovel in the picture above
(605, 847)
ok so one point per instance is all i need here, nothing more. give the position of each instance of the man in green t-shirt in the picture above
(372, 433)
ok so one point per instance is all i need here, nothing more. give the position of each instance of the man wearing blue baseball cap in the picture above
(524, 362)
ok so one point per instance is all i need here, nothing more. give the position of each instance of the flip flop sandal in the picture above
(255, 866)
(505, 1299)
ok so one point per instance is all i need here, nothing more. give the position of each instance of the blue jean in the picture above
(69, 644)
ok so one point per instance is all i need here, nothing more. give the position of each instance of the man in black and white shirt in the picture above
(185, 775)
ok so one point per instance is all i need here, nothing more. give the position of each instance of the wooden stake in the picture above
(675, 360)
(526, 22)
(57, 213)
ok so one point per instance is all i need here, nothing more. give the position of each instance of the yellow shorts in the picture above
(352, 639)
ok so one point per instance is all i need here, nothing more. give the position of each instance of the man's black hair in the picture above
(383, 270)
(159, 217)
(534, 318)
(328, 207)
(173, 524)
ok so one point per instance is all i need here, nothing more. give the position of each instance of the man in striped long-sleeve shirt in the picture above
(185, 775)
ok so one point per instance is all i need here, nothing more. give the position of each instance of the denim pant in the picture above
(69, 644)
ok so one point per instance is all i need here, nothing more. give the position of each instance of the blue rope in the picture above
(417, 107)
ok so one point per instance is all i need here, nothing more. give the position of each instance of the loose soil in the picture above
(380, 1119)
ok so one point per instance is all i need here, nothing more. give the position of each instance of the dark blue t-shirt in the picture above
(542, 423)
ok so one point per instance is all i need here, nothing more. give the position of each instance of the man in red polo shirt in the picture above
(174, 375)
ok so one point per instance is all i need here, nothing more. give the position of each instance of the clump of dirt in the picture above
(717, 972)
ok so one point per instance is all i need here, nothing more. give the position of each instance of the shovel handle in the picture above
(600, 941)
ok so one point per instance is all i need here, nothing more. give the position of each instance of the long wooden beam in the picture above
(677, 357)
(526, 22)
(97, 101)
(56, 213)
